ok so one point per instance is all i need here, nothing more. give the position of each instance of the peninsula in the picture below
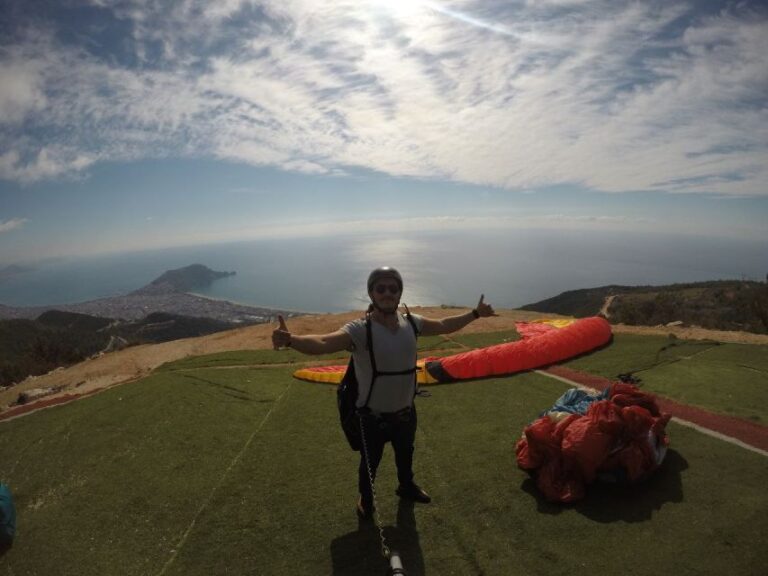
(168, 293)
(36, 340)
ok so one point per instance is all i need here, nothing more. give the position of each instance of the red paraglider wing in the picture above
(547, 348)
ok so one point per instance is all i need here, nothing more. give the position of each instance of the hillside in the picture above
(716, 305)
(57, 338)
(30, 347)
(127, 364)
(131, 363)
(36, 340)
(185, 279)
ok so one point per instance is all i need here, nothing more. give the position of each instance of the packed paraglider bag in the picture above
(7, 517)
(346, 397)
(616, 435)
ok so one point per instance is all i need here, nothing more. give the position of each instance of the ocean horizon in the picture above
(327, 274)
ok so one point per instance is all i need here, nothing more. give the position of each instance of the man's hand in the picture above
(281, 337)
(432, 327)
(484, 310)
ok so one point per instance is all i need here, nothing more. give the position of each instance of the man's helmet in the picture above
(384, 272)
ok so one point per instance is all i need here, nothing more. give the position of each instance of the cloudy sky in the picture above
(128, 124)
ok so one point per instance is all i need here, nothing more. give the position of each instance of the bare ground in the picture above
(136, 362)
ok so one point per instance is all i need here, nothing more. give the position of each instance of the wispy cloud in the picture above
(615, 96)
(13, 224)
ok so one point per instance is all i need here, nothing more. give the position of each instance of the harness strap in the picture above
(375, 373)
(410, 319)
(369, 344)
(416, 333)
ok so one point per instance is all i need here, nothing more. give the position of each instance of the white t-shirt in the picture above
(394, 351)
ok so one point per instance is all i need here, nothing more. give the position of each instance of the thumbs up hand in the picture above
(281, 337)
(484, 310)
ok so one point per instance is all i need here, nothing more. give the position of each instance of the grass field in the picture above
(726, 378)
(203, 470)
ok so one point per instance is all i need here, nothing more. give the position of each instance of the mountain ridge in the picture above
(735, 305)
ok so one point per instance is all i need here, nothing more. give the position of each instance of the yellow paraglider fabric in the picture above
(543, 342)
(325, 374)
(556, 322)
(334, 374)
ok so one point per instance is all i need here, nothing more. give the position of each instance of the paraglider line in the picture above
(235, 460)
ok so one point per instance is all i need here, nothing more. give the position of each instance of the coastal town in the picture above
(168, 293)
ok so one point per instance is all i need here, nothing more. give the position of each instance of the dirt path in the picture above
(136, 362)
(693, 333)
(606, 305)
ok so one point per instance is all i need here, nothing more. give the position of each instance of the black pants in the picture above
(399, 428)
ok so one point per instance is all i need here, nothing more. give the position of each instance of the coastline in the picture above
(137, 306)
(258, 306)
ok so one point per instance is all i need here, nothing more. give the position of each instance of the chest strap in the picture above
(375, 373)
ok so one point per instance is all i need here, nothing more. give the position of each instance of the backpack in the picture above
(7, 517)
(347, 392)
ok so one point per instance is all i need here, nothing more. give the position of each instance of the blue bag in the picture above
(7, 517)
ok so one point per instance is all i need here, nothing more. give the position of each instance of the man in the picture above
(387, 411)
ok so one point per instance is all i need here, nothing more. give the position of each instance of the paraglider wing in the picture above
(548, 347)
(543, 343)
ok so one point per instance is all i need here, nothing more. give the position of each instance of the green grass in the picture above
(247, 358)
(434, 343)
(265, 357)
(482, 339)
(245, 471)
(726, 378)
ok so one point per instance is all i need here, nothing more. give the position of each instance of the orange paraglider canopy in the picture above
(543, 342)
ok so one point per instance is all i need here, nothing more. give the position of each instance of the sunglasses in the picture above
(381, 288)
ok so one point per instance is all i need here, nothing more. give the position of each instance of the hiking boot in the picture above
(413, 492)
(365, 510)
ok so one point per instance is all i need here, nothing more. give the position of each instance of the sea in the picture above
(327, 274)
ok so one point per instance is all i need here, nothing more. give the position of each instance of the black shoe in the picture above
(364, 511)
(413, 492)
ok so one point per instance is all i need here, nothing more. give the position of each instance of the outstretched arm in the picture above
(432, 327)
(311, 343)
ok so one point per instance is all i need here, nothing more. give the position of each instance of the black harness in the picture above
(347, 392)
(374, 370)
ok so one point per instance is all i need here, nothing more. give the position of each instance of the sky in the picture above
(138, 124)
